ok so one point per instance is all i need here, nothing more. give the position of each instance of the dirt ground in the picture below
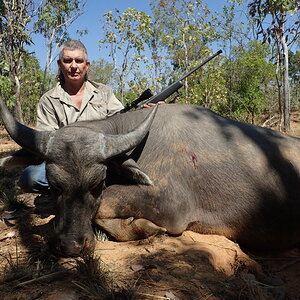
(191, 266)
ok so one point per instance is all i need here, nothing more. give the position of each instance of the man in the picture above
(74, 98)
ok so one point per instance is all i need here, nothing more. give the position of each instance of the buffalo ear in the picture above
(127, 171)
(20, 158)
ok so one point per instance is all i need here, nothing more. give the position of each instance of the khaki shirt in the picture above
(56, 108)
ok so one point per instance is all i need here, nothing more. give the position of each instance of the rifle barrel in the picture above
(167, 91)
(199, 66)
(164, 94)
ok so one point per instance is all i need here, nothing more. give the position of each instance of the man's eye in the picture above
(70, 60)
(67, 61)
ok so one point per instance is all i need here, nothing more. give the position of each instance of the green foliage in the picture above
(280, 25)
(185, 27)
(6, 91)
(102, 71)
(277, 22)
(294, 73)
(126, 32)
(20, 19)
(233, 30)
(178, 36)
(137, 85)
(125, 35)
(263, 8)
(55, 16)
(6, 86)
(208, 88)
(183, 23)
(252, 76)
(15, 35)
(16, 15)
(31, 80)
(53, 19)
(294, 66)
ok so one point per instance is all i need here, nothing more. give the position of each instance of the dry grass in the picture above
(8, 191)
(30, 271)
(97, 281)
(88, 276)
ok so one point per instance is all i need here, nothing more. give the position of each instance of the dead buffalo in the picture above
(168, 169)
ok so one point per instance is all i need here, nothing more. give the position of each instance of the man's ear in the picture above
(88, 64)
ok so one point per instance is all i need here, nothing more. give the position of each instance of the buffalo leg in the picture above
(142, 203)
(129, 229)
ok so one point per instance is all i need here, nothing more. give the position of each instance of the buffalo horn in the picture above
(113, 145)
(26, 137)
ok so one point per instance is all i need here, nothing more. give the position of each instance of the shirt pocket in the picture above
(96, 111)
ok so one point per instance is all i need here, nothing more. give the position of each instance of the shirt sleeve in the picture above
(46, 116)
(113, 104)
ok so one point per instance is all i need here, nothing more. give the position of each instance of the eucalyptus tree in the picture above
(278, 23)
(31, 77)
(158, 66)
(294, 74)
(125, 35)
(253, 74)
(186, 27)
(5, 83)
(102, 71)
(15, 35)
(31, 81)
(19, 20)
(234, 34)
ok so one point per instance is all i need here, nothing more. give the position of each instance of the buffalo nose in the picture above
(67, 248)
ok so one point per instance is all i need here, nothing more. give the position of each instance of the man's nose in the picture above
(73, 64)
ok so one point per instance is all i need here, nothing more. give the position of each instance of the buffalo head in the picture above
(76, 159)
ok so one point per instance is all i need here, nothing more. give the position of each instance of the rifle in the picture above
(167, 92)
(134, 104)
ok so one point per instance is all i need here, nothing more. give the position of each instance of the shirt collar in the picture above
(59, 93)
(91, 86)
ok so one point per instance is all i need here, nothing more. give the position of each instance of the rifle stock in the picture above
(134, 104)
(167, 92)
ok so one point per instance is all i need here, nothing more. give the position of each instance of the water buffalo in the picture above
(168, 169)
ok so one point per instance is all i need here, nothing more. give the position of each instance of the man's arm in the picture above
(113, 104)
(46, 116)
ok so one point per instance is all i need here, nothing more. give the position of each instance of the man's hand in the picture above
(153, 104)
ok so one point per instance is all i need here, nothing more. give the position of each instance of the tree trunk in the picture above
(285, 86)
(186, 61)
(17, 106)
(48, 61)
(279, 87)
(122, 88)
(46, 69)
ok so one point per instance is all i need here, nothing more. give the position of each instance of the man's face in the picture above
(73, 65)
